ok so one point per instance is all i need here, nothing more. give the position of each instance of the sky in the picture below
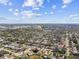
(39, 11)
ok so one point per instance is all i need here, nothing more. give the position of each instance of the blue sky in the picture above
(39, 11)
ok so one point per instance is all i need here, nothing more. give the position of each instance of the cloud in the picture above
(3, 18)
(16, 13)
(54, 6)
(33, 3)
(10, 3)
(46, 13)
(10, 9)
(73, 15)
(4, 2)
(16, 10)
(64, 6)
(29, 14)
(52, 13)
(36, 8)
(66, 3)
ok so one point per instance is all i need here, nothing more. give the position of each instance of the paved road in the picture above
(13, 53)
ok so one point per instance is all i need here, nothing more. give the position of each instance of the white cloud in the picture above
(10, 4)
(3, 18)
(76, 18)
(33, 3)
(67, 1)
(46, 13)
(16, 10)
(36, 8)
(4, 2)
(52, 12)
(29, 14)
(10, 9)
(16, 13)
(54, 6)
(64, 6)
(73, 15)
